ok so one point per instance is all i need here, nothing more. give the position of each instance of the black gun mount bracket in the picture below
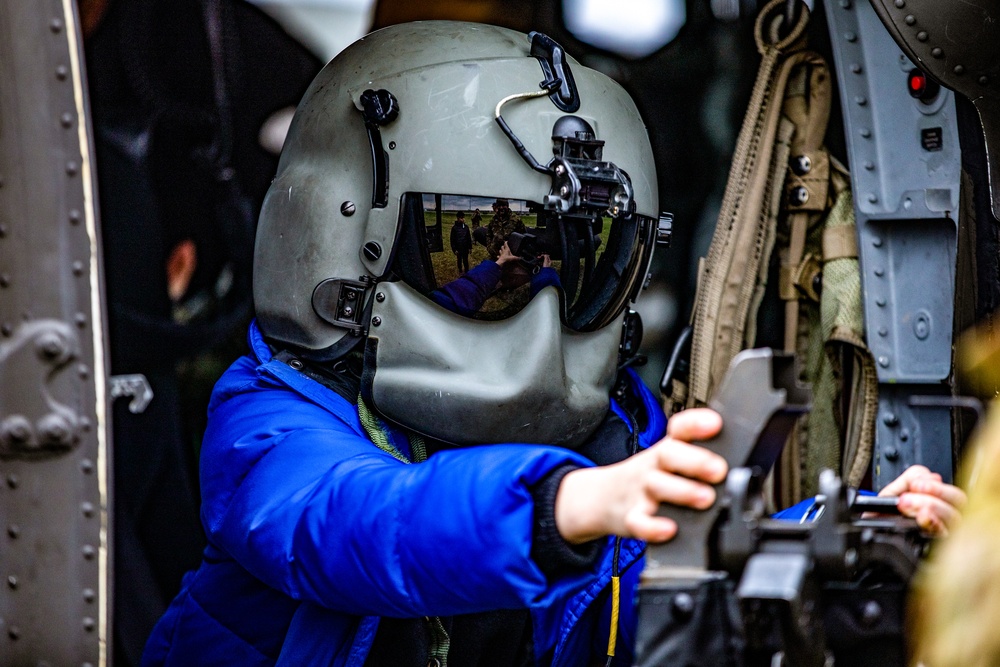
(759, 400)
(737, 588)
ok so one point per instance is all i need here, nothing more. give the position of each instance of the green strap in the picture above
(440, 642)
(378, 432)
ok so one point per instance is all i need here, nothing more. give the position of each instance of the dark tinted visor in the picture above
(486, 258)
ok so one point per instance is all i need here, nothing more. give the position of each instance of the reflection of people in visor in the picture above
(503, 223)
(598, 258)
(467, 294)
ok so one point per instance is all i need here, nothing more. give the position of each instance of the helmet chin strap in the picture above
(524, 379)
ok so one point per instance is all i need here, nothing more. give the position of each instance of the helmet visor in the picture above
(487, 257)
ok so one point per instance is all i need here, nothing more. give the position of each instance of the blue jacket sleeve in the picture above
(466, 294)
(306, 503)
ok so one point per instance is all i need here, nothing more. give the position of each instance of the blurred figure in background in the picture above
(185, 96)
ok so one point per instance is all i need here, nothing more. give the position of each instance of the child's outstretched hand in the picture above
(622, 499)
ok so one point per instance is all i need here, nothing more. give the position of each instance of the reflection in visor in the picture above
(486, 258)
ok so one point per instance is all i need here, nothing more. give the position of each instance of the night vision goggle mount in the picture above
(582, 182)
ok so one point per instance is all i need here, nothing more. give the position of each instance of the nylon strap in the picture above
(743, 240)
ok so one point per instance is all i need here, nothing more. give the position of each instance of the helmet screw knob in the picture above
(376, 321)
(380, 296)
(372, 251)
(348, 208)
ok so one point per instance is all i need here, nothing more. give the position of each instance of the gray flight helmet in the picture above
(414, 108)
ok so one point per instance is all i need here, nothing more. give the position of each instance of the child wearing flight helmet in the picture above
(387, 481)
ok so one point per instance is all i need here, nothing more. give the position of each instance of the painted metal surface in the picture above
(54, 431)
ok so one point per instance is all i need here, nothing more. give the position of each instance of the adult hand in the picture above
(505, 255)
(622, 499)
(935, 505)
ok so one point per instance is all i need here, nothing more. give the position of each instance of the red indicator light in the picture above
(921, 87)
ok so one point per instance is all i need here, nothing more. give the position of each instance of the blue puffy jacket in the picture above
(314, 533)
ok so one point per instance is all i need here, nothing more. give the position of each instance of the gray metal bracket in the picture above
(905, 164)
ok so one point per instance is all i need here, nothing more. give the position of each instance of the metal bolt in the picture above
(984, 80)
(372, 251)
(15, 429)
(62, 72)
(13, 531)
(78, 268)
(851, 37)
(801, 164)
(845, 4)
(66, 120)
(869, 166)
(392, 145)
(13, 480)
(958, 69)
(50, 345)
(877, 242)
(880, 272)
(564, 190)
(296, 364)
(890, 419)
(861, 100)
(75, 217)
(856, 68)
(83, 371)
(72, 168)
(937, 52)
(560, 170)
(891, 454)
(87, 466)
(904, 435)
(87, 509)
(376, 321)
(910, 19)
(55, 429)
(683, 606)
(6, 329)
(380, 296)
(900, 4)
(81, 319)
(14, 632)
(850, 557)
(12, 582)
(871, 612)
(89, 595)
(55, 25)
(922, 36)
(89, 624)
(883, 332)
(348, 208)
(798, 196)
(883, 362)
(866, 132)
(880, 303)
(872, 198)
(348, 311)
(88, 551)
(4, 279)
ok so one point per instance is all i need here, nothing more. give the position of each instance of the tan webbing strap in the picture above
(840, 243)
(744, 235)
(806, 199)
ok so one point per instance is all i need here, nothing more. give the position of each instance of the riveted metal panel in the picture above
(54, 442)
(905, 162)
